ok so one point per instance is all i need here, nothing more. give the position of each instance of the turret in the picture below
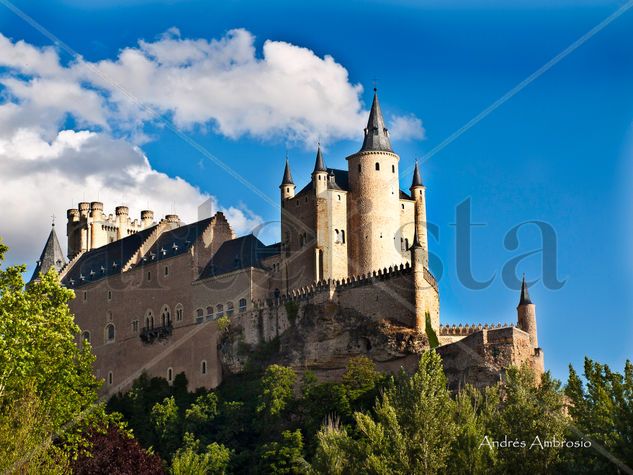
(172, 218)
(418, 193)
(419, 283)
(72, 232)
(373, 214)
(84, 230)
(147, 218)
(319, 175)
(526, 313)
(287, 186)
(122, 218)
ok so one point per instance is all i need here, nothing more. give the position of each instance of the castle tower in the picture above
(419, 284)
(147, 218)
(84, 230)
(97, 234)
(287, 186)
(319, 174)
(122, 219)
(418, 192)
(526, 313)
(52, 256)
(373, 219)
(72, 232)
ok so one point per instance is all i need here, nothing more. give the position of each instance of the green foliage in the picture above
(46, 380)
(284, 456)
(361, 376)
(277, 387)
(223, 323)
(191, 460)
(201, 413)
(434, 342)
(167, 425)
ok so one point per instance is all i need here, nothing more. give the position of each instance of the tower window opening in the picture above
(377, 166)
(166, 270)
(149, 276)
(242, 304)
(342, 236)
(339, 197)
(359, 168)
(203, 367)
(110, 378)
(109, 295)
(406, 244)
(170, 374)
(393, 169)
(287, 189)
(179, 313)
(402, 206)
(109, 333)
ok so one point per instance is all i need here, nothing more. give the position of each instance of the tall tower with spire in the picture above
(373, 215)
(418, 193)
(52, 256)
(287, 186)
(526, 313)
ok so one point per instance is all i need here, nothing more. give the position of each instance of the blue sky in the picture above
(559, 151)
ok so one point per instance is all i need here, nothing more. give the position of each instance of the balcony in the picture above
(150, 335)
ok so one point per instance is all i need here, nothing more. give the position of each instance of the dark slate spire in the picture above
(287, 179)
(52, 256)
(525, 296)
(416, 239)
(417, 178)
(319, 164)
(376, 135)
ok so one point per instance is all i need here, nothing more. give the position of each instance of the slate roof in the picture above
(106, 260)
(340, 182)
(52, 256)
(319, 164)
(175, 241)
(240, 253)
(287, 179)
(376, 135)
(417, 178)
(525, 295)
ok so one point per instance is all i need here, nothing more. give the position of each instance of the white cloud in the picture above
(407, 127)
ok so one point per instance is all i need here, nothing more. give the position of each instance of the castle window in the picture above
(149, 320)
(342, 236)
(203, 367)
(377, 166)
(86, 336)
(199, 315)
(339, 197)
(109, 295)
(209, 312)
(319, 177)
(149, 276)
(406, 244)
(85, 296)
(135, 326)
(165, 316)
(109, 333)
(110, 379)
(287, 190)
(179, 312)
(166, 270)
(393, 169)
(402, 205)
(170, 375)
(242, 305)
(219, 310)
(229, 309)
(359, 168)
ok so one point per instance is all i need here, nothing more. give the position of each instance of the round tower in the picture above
(418, 193)
(287, 186)
(73, 232)
(373, 214)
(172, 218)
(526, 313)
(319, 174)
(147, 218)
(97, 234)
(122, 217)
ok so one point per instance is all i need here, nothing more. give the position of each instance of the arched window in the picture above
(393, 169)
(109, 333)
(149, 320)
(203, 367)
(199, 315)
(170, 375)
(229, 309)
(242, 305)
(209, 312)
(377, 166)
(219, 310)
(165, 316)
(342, 236)
(86, 336)
(179, 312)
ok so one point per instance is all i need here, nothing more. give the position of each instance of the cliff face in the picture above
(321, 338)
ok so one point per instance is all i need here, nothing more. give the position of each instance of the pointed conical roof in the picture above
(52, 256)
(417, 178)
(525, 295)
(287, 179)
(319, 164)
(416, 239)
(376, 135)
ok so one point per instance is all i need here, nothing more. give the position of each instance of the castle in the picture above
(350, 276)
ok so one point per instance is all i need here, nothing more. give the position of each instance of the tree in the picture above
(191, 460)
(42, 368)
(410, 430)
(360, 377)
(201, 413)
(116, 451)
(284, 456)
(167, 426)
(276, 390)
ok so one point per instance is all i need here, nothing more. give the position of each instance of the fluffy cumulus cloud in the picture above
(222, 86)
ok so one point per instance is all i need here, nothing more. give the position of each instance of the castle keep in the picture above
(350, 276)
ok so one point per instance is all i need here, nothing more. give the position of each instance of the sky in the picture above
(170, 103)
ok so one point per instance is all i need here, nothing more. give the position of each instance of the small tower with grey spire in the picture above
(319, 174)
(418, 193)
(287, 186)
(526, 313)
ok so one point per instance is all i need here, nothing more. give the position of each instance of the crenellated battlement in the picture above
(461, 330)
